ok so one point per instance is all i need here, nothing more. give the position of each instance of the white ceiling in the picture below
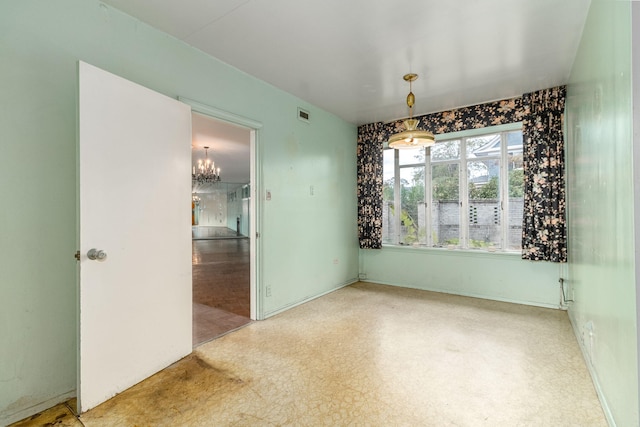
(349, 56)
(228, 148)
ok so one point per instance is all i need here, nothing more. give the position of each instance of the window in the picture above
(464, 192)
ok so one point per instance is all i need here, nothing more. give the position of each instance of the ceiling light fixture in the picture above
(412, 136)
(206, 171)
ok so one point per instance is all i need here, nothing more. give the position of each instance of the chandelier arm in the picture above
(207, 173)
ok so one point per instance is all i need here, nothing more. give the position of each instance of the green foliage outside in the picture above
(411, 195)
(516, 183)
(445, 181)
(445, 187)
(485, 191)
(490, 189)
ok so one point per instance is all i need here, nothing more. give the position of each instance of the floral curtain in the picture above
(544, 223)
(369, 154)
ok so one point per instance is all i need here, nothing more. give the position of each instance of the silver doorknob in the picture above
(96, 255)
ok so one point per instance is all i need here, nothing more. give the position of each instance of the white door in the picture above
(135, 206)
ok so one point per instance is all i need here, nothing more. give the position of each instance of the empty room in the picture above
(427, 215)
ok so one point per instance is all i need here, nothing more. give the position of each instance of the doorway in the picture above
(221, 224)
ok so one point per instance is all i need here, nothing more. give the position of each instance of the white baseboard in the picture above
(311, 298)
(469, 294)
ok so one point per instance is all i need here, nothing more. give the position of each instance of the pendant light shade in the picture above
(411, 137)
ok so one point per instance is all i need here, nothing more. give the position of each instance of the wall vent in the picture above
(303, 115)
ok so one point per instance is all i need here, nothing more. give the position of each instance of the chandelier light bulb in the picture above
(207, 172)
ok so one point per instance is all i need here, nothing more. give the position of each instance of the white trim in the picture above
(254, 220)
(397, 201)
(255, 206)
(199, 107)
(454, 251)
(463, 197)
(504, 191)
(480, 131)
(635, 123)
(428, 195)
(464, 294)
(305, 300)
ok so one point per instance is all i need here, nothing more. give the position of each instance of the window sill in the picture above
(453, 251)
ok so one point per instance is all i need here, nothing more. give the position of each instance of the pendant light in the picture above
(411, 137)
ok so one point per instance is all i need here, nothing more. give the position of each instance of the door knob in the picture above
(96, 255)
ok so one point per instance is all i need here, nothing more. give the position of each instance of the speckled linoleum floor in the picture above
(370, 355)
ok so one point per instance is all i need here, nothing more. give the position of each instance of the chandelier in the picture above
(412, 136)
(206, 171)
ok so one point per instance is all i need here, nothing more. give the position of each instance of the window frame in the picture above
(463, 188)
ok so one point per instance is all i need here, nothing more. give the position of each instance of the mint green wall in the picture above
(312, 231)
(308, 242)
(600, 207)
(497, 276)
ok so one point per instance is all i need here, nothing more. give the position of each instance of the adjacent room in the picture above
(319, 213)
(220, 206)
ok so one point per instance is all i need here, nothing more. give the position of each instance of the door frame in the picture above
(255, 205)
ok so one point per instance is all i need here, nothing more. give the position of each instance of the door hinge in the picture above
(77, 255)
(257, 235)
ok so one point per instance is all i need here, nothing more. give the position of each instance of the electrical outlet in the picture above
(362, 276)
(268, 290)
(336, 261)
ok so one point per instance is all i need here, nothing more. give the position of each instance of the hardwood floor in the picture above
(221, 299)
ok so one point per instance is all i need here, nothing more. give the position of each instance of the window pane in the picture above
(516, 189)
(388, 228)
(412, 217)
(489, 221)
(387, 164)
(483, 146)
(411, 156)
(445, 209)
(484, 203)
(446, 150)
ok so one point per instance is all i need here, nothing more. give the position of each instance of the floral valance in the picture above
(475, 117)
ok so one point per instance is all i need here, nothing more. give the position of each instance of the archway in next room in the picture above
(220, 227)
